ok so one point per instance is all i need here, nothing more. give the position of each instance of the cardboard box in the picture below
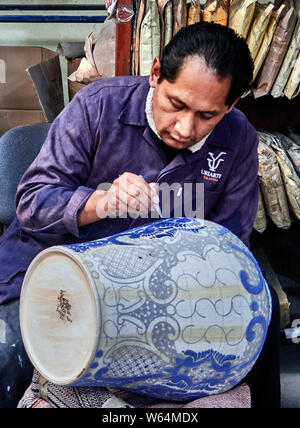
(17, 91)
(12, 118)
(47, 81)
(74, 87)
(19, 103)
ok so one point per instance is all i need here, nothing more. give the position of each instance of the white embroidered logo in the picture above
(213, 163)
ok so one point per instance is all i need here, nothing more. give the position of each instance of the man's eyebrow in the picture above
(179, 101)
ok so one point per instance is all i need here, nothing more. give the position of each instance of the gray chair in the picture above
(18, 148)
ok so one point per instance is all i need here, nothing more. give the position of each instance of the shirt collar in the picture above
(149, 112)
(197, 146)
(133, 112)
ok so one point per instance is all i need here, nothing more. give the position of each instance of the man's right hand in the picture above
(129, 195)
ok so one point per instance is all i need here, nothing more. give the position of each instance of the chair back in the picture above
(19, 147)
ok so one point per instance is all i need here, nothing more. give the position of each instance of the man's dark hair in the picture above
(222, 49)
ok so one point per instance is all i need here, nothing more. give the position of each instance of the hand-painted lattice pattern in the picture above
(185, 309)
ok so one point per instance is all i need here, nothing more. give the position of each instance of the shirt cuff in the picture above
(75, 205)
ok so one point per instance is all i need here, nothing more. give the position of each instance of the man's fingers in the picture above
(134, 199)
(131, 194)
(136, 188)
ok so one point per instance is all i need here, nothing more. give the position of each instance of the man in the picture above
(178, 126)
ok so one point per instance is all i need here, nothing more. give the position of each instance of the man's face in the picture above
(186, 110)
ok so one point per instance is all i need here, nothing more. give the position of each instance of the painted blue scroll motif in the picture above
(185, 309)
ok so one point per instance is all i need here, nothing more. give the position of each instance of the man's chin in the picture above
(175, 144)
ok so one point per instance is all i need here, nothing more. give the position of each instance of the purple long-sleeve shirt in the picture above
(101, 134)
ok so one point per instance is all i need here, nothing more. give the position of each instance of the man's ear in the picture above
(155, 72)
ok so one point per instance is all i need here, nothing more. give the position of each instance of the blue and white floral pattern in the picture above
(184, 309)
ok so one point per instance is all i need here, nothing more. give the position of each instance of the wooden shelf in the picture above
(123, 43)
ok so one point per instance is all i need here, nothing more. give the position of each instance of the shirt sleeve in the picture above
(52, 191)
(237, 207)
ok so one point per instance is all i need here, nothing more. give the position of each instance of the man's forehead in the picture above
(200, 85)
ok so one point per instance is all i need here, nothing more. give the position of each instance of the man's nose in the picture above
(185, 125)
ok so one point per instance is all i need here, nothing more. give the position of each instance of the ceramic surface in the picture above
(184, 309)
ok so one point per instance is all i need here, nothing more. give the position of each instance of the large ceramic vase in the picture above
(175, 309)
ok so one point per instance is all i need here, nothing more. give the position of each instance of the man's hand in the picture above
(129, 195)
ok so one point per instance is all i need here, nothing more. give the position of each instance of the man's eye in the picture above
(206, 116)
(176, 106)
